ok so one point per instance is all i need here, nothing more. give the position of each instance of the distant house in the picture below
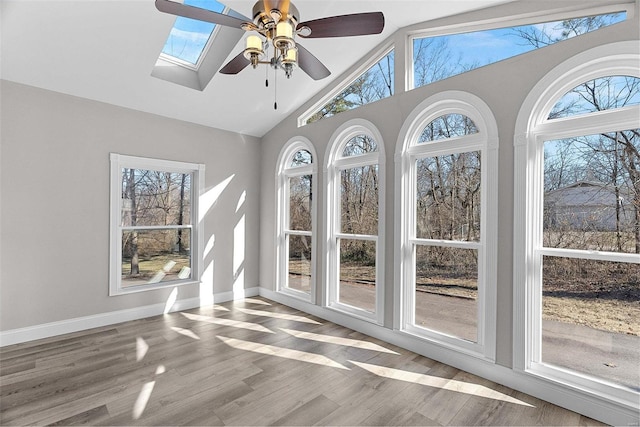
(587, 205)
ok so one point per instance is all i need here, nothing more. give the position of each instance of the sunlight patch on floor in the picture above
(228, 322)
(283, 352)
(143, 399)
(438, 382)
(141, 348)
(255, 301)
(348, 342)
(185, 332)
(282, 316)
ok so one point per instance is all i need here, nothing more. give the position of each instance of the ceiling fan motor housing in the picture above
(268, 19)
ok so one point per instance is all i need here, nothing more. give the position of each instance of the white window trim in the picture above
(336, 163)
(532, 129)
(574, 11)
(283, 173)
(486, 141)
(118, 162)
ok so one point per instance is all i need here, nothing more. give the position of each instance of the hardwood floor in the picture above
(251, 362)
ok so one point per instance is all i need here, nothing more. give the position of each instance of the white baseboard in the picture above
(46, 330)
(580, 401)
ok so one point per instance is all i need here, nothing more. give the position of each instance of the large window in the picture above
(296, 219)
(355, 177)
(154, 232)
(438, 57)
(374, 84)
(448, 175)
(579, 154)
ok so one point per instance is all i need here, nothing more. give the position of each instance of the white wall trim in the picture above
(47, 330)
(581, 401)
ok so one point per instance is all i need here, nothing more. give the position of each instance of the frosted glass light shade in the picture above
(254, 43)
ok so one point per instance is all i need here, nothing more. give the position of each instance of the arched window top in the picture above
(455, 119)
(447, 126)
(599, 94)
(301, 157)
(359, 145)
(356, 141)
(297, 156)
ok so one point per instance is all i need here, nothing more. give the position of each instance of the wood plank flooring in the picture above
(250, 362)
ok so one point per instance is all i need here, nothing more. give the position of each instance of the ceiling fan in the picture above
(275, 24)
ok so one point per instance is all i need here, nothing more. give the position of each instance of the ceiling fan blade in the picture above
(186, 11)
(236, 65)
(311, 65)
(357, 24)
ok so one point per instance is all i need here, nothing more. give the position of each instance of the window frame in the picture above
(334, 165)
(533, 128)
(504, 22)
(117, 163)
(407, 152)
(284, 173)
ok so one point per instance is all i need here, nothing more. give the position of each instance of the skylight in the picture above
(189, 37)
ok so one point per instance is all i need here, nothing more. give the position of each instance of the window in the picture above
(448, 210)
(355, 175)
(376, 83)
(439, 57)
(154, 234)
(578, 280)
(296, 220)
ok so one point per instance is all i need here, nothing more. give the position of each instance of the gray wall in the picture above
(55, 201)
(503, 86)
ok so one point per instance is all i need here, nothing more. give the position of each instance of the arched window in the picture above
(448, 178)
(577, 225)
(296, 219)
(355, 175)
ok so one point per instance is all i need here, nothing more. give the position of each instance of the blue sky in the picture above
(188, 37)
(485, 47)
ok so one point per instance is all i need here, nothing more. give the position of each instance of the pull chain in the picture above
(266, 77)
(275, 89)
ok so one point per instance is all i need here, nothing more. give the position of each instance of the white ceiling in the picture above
(105, 50)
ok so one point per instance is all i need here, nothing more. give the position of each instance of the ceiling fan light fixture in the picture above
(290, 61)
(284, 35)
(253, 49)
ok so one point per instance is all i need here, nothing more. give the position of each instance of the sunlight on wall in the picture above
(206, 280)
(239, 234)
(241, 201)
(171, 300)
(207, 201)
(210, 197)
(438, 382)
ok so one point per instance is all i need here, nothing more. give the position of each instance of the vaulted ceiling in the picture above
(106, 50)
